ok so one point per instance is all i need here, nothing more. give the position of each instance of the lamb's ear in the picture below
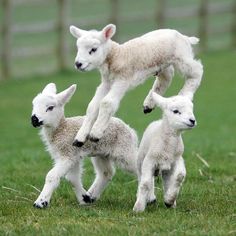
(189, 95)
(76, 32)
(159, 100)
(65, 96)
(108, 31)
(50, 89)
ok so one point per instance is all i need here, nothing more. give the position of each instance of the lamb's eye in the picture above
(93, 50)
(176, 111)
(50, 108)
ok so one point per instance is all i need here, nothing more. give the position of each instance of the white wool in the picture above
(117, 146)
(161, 150)
(125, 66)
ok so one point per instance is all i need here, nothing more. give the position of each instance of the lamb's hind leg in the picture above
(75, 177)
(172, 182)
(160, 85)
(104, 172)
(193, 71)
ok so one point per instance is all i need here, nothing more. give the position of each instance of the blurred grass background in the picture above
(207, 203)
(35, 24)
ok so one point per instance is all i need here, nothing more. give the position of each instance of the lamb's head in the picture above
(48, 106)
(178, 110)
(92, 46)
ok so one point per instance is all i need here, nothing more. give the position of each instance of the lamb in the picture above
(161, 151)
(117, 146)
(125, 66)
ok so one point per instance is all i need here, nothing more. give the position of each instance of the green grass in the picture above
(206, 206)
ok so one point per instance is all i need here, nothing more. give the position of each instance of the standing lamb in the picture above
(124, 66)
(161, 150)
(118, 145)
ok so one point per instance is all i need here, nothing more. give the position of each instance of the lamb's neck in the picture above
(113, 49)
(49, 131)
(169, 131)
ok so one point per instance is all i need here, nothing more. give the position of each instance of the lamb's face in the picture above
(91, 52)
(179, 112)
(92, 47)
(48, 106)
(46, 111)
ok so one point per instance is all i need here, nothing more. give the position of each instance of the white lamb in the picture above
(118, 145)
(124, 66)
(161, 151)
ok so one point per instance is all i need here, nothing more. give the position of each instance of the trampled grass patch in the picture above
(206, 205)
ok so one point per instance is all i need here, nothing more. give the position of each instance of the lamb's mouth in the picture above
(84, 69)
(190, 125)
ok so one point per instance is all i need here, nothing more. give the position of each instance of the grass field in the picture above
(206, 205)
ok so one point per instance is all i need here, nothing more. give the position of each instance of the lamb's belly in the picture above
(141, 76)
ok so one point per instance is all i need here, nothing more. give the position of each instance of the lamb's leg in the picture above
(104, 172)
(172, 182)
(52, 181)
(91, 114)
(193, 71)
(108, 107)
(145, 185)
(75, 177)
(151, 196)
(160, 85)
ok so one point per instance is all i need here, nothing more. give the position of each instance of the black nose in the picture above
(192, 121)
(35, 121)
(78, 65)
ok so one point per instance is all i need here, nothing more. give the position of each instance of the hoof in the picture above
(41, 205)
(45, 204)
(168, 205)
(88, 199)
(37, 206)
(77, 143)
(152, 202)
(93, 139)
(146, 109)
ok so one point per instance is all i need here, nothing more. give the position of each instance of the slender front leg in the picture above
(91, 114)
(145, 185)
(160, 85)
(108, 107)
(172, 181)
(104, 172)
(52, 181)
(75, 177)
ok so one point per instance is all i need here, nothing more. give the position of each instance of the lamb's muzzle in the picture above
(35, 121)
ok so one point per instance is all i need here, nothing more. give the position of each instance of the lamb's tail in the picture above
(193, 40)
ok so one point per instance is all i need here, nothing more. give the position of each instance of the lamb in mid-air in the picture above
(119, 145)
(124, 66)
(161, 150)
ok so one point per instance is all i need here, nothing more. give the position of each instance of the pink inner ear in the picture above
(108, 33)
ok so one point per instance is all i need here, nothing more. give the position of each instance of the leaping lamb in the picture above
(124, 66)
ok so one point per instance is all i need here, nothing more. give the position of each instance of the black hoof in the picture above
(77, 143)
(37, 206)
(88, 199)
(146, 110)
(152, 202)
(92, 139)
(45, 204)
(168, 205)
